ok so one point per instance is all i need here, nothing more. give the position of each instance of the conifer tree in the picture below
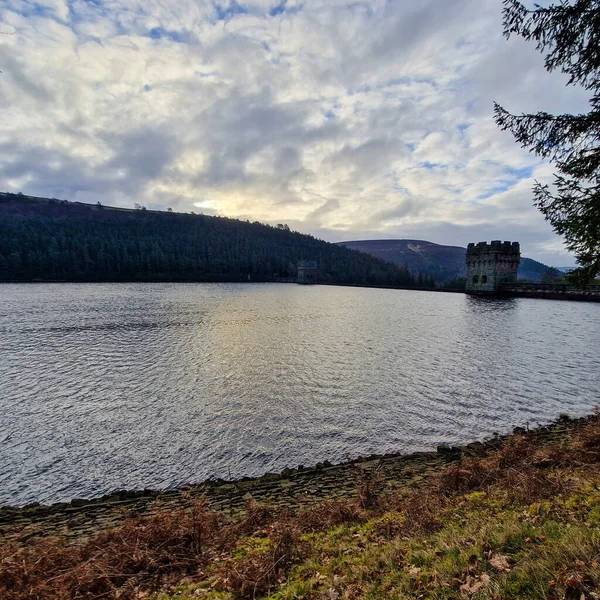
(568, 33)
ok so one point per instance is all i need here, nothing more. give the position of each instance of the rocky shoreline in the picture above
(79, 519)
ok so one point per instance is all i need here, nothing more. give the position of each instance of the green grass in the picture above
(486, 547)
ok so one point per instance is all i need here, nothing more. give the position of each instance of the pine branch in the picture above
(570, 32)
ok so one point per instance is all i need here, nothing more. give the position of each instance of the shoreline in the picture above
(290, 489)
(534, 294)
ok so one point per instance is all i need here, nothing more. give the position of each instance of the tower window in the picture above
(475, 279)
(484, 279)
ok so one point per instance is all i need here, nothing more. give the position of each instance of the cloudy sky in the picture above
(348, 120)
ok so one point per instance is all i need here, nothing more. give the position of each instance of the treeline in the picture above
(47, 240)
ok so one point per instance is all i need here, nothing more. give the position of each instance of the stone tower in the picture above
(307, 271)
(489, 266)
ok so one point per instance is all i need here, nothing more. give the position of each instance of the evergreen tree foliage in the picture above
(568, 33)
(46, 240)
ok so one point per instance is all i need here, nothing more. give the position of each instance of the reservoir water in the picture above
(112, 386)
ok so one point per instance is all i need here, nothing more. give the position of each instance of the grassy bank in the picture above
(517, 521)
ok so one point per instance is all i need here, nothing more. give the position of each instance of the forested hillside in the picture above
(43, 239)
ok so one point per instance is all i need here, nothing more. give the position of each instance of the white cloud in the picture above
(344, 119)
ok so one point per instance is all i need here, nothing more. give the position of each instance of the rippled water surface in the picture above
(107, 386)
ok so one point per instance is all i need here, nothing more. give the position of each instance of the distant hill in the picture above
(443, 263)
(49, 239)
(565, 269)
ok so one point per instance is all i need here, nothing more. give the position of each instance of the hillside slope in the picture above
(42, 239)
(442, 262)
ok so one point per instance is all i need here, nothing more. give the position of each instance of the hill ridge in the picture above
(442, 262)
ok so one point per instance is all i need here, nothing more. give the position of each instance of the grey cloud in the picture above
(288, 160)
(368, 157)
(144, 153)
(238, 128)
(138, 156)
(405, 208)
(397, 35)
(513, 76)
(242, 124)
(51, 172)
(326, 208)
(15, 71)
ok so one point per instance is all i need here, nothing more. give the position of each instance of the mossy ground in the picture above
(484, 546)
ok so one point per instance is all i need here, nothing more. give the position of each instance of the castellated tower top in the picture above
(489, 266)
(495, 246)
